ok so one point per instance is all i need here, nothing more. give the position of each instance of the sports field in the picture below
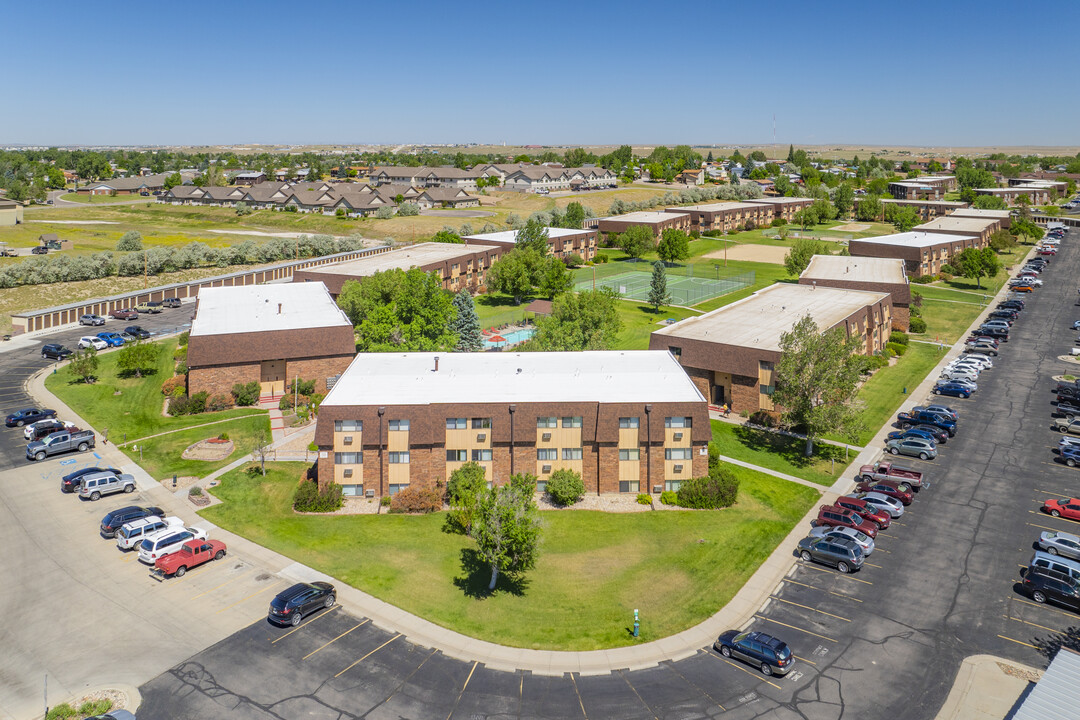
(684, 288)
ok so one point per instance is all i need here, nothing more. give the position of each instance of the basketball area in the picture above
(683, 285)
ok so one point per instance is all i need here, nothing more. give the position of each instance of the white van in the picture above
(166, 542)
(131, 534)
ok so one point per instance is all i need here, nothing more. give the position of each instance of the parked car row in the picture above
(161, 541)
(46, 434)
(131, 313)
(101, 341)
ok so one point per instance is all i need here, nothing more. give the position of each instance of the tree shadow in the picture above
(791, 449)
(477, 575)
(129, 374)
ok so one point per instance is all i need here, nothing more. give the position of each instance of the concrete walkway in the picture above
(774, 473)
(987, 688)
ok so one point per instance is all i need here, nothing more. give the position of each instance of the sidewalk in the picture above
(987, 688)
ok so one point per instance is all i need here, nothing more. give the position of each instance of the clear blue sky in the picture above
(958, 73)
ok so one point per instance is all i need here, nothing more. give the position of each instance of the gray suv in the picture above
(105, 483)
(842, 553)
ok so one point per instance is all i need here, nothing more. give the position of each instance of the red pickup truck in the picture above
(887, 471)
(192, 553)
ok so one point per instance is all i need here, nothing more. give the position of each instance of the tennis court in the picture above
(687, 285)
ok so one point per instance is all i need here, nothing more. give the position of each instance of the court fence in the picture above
(687, 285)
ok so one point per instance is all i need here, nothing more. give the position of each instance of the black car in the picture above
(940, 436)
(28, 415)
(771, 655)
(1017, 305)
(1068, 408)
(39, 250)
(136, 331)
(1057, 589)
(1008, 316)
(70, 482)
(994, 332)
(55, 352)
(290, 606)
(1069, 394)
(171, 302)
(116, 519)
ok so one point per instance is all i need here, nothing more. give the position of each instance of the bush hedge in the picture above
(170, 386)
(896, 348)
(917, 325)
(189, 404)
(668, 497)
(565, 487)
(923, 279)
(644, 499)
(308, 498)
(716, 490)
(245, 394)
(416, 500)
(897, 336)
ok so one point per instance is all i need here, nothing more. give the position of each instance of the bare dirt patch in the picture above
(211, 450)
(753, 253)
(851, 227)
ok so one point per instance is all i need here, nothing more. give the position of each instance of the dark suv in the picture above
(54, 351)
(136, 331)
(171, 302)
(1057, 589)
(290, 606)
(771, 655)
(832, 516)
(116, 519)
(844, 554)
(70, 482)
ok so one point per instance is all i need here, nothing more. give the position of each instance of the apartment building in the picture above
(1057, 186)
(724, 216)
(927, 209)
(628, 422)
(916, 189)
(923, 253)
(874, 274)
(979, 227)
(1002, 216)
(658, 222)
(1036, 194)
(731, 353)
(562, 242)
(784, 207)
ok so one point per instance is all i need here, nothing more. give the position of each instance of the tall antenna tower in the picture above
(774, 129)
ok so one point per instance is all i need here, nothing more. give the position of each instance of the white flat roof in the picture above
(914, 239)
(779, 200)
(510, 236)
(759, 320)
(855, 269)
(498, 377)
(979, 213)
(715, 207)
(398, 259)
(954, 222)
(644, 216)
(259, 308)
(948, 203)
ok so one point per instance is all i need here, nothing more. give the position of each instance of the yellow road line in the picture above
(1059, 517)
(1027, 622)
(845, 575)
(370, 654)
(804, 660)
(1043, 527)
(1045, 607)
(1018, 642)
(304, 625)
(872, 565)
(257, 592)
(1047, 492)
(471, 671)
(814, 587)
(807, 607)
(207, 592)
(823, 637)
(579, 702)
(737, 667)
(335, 639)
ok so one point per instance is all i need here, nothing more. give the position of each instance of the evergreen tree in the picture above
(658, 292)
(467, 324)
(709, 159)
(790, 153)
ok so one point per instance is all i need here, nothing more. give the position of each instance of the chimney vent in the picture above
(436, 363)
(279, 308)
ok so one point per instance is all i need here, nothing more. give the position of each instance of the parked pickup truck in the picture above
(190, 554)
(60, 442)
(911, 419)
(888, 471)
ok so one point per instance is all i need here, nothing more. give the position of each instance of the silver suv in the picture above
(105, 483)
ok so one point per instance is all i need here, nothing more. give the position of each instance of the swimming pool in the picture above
(510, 338)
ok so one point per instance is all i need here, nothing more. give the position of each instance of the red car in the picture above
(833, 516)
(1063, 508)
(865, 510)
(890, 488)
(124, 314)
(192, 553)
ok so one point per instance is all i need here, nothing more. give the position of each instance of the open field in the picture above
(677, 567)
(754, 253)
(102, 199)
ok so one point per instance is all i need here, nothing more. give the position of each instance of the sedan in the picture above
(291, 605)
(1076, 325)
(28, 415)
(111, 338)
(894, 507)
(861, 539)
(842, 553)
(913, 433)
(940, 436)
(1069, 509)
(936, 408)
(771, 655)
(913, 447)
(969, 384)
(954, 389)
(889, 488)
(92, 341)
(1059, 543)
(960, 374)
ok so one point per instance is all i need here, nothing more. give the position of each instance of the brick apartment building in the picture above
(267, 333)
(724, 216)
(923, 253)
(1061, 187)
(886, 275)
(1036, 194)
(628, 422)
(731, 353)
(981, 227)
(927, 209)
(562, 242)
(1002, 216)
(784, 207)
(658, 222)
(915, 190)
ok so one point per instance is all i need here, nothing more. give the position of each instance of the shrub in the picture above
(385, 501)
(308, 498)
(716, 490)
(763, 418)
(223, 436)
(340, 212)
(668, 497)
(246, 393)
(169, 387)
(181, 368)
(416, 500)
(949, 269)
(195, 491)
(384, 213)
(130, 241)
(95, 707)
(644, 499)
(779, 222)
(312, 447)
(286, 403)
(923, 279)
(407, 209)
(180, 353)
(189, 404)
(897, 336)
(945, 276)
(63, 711)
(896, 348)
(217, 403)
(565, 487)
(917, 325)
(183, 338)
(242, 209)
(574, 260)
(601, 259)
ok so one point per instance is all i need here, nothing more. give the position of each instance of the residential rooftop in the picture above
(645, 216)
(758, 321)
(914, 239)
(403, 258)
(263, 308)
(972, 225)
(552, 377)
(510, 236)
(856, 269)
(938, 203)
(979, 213)
(714, 207)
(779, 200)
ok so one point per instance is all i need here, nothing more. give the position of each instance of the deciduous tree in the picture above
(137, 357)
(903, 218)
(515, 273)
(977, 264)
(84, 363)
(637, 241)
(798, 257)
(574, 217)
(534, 236)
(463, 490)
(587, 320)
(506, 527)
(399, 311)
(674, 245)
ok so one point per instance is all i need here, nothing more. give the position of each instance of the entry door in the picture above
(272, 377)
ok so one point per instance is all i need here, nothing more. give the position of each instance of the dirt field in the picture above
(753, 253)
(851, 227)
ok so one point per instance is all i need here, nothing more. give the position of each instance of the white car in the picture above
(1076, 325)
(131, 534)
(166, 542)
(1068, 441)
(89, 341)
(960, 374)
(894, 507)
(977, 359)
(28, 431)
(965, 362)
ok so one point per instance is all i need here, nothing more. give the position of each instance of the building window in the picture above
(481, 423)
(352, 490)
(543, 454)
(677, 422)
(629, 454)
(348, 458)
(678, 454)
(541, 486)
(628, 423)
(547, 422)
(629, 486)
(481, 455)
(348, 426)
(399, 486)
(571, 422)
(670, 485)
(571, 453)
(767, 389)
(457, 455)
(399, 458)
(456, 423)
(398, 425)
(766, 365)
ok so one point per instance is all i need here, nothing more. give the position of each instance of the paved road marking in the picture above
(579, 702)
(304, 625)
(207, 592)
(1074, 522)
(268, 587)
(845, 575)
(823, 637)
(372, 653)
(807, 607)
(1027, 622)
(814, 587)
(1043, 527)
(407, 679)
(1045, 607)
(805, 660)
(671, 667)
(1018, 642)
(471, 671)
(1053, 493)
(636, 693)
(335, 639)
(872, 565)
(754, 674)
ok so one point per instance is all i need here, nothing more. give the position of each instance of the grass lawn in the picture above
(780, 452)
(102, 199)
(639, 321)
(677, 567)
(160, 456)
(947, 321)
(989, 286)
(883, 393)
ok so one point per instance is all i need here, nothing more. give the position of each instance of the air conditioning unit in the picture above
(657, 488)
(481, 437)
(347, 472)
(546, 437)
(678, 436)
(348, 440)
(369, 493)
(545, 469)
(677, 469)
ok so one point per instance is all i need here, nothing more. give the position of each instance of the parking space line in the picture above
(1043, 527)
(362, 622)
(207, 592)
(797, 657)
(268, 587)
(372, 653)
(1027, 622)
(846, 575)
(636, 693)
(578, 694)
(304, 625)
(671, 667)
(813, 587)
(1044, 607)
(807, 607)
(471, 671)
(1047, 492)
(754, 674)
(1018, 642)
(1074, 522)
(823, 637)
(130, 556)
(872, 565)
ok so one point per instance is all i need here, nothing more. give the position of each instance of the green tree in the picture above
(636, 241)
(506, 527)
(903, 218)
(534, 236)
(587, 320)
(398, 311)
(565, 487)
(446, 236)
(84, 363)
(554, 277)
(791, 153)
(515, 273)
(658, 292)
(463, 490)
(868, 209)
(989, 202)
(977, 264)
(816, 380)
(574, 217)
(1002, 240)
(844, 199)
(798, 257)
(131, 241)
(137, 357)
(806, 217)
(466, 324)
(674, 245)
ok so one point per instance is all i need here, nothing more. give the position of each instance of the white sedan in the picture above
(1076, 325)
(89, 341)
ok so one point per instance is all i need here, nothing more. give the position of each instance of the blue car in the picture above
(953, 389)
(1070, 455)
(912, 433)
(111, 338)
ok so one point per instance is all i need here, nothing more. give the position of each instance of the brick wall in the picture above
(608, 455)
(317, 369)
(901, 318)
(744, 394)
(702, 380)
(219, 380)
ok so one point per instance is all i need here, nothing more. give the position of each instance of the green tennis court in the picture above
(682, 286)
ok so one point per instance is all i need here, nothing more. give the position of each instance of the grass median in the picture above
(676, 567)
(781, 453)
